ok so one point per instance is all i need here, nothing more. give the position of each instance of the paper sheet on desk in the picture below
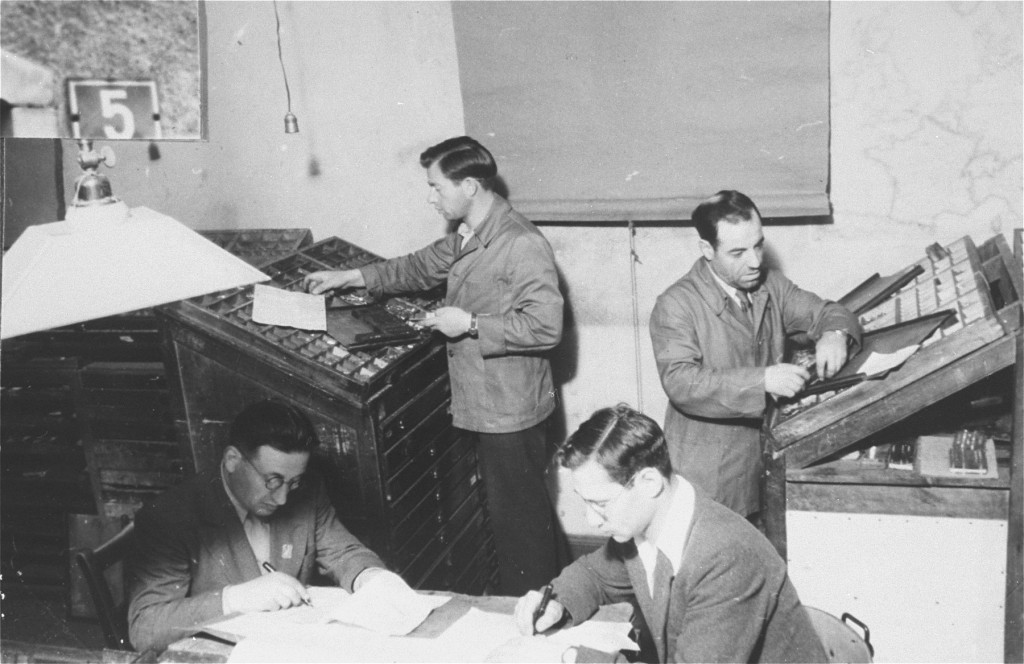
(879, 363)
(470, 639)
(274, 306)
(473, 636)
(335, 642)
(383, 606)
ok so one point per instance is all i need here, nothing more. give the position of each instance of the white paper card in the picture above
(881, 362)
(274, 306)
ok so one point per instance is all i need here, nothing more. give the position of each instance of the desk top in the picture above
(201, 648)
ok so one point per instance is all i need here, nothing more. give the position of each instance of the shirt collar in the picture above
(489, 227)
(672, 539)
(731, 291)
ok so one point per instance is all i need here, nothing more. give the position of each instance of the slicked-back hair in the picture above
(460, 158)
(275, 423)
(621, 440)
(727, 205)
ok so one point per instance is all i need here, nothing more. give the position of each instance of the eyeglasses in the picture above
(600, 507)
(273, 481)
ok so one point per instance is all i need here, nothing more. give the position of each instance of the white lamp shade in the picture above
(109, 263)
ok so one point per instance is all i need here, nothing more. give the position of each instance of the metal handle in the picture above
(864, 628)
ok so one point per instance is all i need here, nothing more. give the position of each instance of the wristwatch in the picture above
(473, 331)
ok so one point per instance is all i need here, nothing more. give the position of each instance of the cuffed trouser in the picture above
(527, 539)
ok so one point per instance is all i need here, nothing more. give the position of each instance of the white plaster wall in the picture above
(926, 147)
(372, 85)
(930, 589)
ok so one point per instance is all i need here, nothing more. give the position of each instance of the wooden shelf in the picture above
(856, 472)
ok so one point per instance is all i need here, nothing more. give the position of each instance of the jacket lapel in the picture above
(655, 613)
(225, 531)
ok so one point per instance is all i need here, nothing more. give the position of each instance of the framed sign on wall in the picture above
(117, 55)
(114, 109)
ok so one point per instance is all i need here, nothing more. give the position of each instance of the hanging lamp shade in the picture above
(108, 261)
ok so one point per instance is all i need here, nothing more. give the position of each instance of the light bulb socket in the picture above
(291, 123)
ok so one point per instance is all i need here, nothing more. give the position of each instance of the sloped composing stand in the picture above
(804, 439)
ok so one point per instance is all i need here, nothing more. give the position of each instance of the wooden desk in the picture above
(208, 649)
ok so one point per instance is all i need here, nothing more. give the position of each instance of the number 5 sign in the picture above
(114, 109)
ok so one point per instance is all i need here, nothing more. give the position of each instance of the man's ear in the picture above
(706, 249)
(470, 186)
(650, 481)
(232, 457)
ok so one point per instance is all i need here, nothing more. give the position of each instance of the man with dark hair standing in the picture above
(247, 538)
(502, 312)
(719, 337)
(710, 586)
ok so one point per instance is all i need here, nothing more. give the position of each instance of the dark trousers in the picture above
(527, 539)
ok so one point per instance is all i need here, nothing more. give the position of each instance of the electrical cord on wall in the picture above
(291, 123)
(633, 260)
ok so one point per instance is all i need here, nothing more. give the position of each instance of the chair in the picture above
(841, 642)
(94, 563)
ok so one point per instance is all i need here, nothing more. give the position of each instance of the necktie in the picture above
(257, 531)
(747, 306)
(660, 594)
(662, 579)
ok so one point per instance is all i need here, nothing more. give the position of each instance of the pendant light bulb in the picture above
(291, 123)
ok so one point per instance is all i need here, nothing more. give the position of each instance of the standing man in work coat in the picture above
(719, 337)
(502, 312)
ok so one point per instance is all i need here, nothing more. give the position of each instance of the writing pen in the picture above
(542, 607)
(270, 568)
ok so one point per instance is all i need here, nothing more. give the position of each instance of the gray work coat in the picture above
(711, 363)
(501, 381)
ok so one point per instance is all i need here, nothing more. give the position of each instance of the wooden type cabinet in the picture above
(400, 476)
(43, 468)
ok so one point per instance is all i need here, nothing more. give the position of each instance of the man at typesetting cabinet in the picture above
(502, 313)
(719, 336)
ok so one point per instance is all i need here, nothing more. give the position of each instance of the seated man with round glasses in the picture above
(710, 587)
(246, 538)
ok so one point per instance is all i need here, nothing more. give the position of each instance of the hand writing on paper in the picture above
(449, 321)
(269, 592)
(784, 380)
(525, 608)
(325, 280)
(830, 353)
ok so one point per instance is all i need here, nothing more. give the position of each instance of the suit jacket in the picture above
(711, 362)
(731, 600)
(190, 544)
(501, 381)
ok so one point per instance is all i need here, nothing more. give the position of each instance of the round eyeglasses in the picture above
(600, 507)
(273, 481)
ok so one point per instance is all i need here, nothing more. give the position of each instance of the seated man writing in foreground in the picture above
(246, 538)
(710, 586)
